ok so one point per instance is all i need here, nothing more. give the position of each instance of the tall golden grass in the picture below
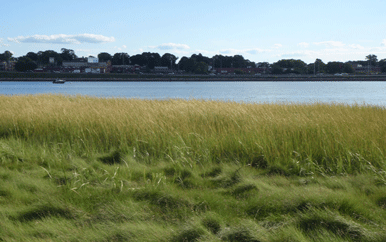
(304, 137)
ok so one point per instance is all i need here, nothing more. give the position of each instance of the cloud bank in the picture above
(171, 46)
(304, 44)
(356, 46)
(253, 51)
(63, 39)
(2, 44)
(277, 46)
(330, 43)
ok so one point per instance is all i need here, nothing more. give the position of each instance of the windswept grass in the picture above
(314, 138)
(78, 168)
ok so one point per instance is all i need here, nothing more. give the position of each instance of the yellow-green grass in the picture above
(324, 138)
(76, 168)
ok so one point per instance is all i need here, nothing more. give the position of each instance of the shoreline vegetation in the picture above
(15, 76)
(79, 168)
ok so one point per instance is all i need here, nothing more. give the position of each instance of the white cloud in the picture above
(63, 39)
(133, 52)
(2, 44)
(253, 51)
(277, 46)
(120, 48)
(356, 46)
(304, 44)
(206, 52)
(84, 50)
(87, 52)
(383, 42)
(170, 46)
(295, 54)
(381, 49)
(330, 43)
(292, 54)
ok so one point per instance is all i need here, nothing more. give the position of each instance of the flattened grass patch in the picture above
(44, 211)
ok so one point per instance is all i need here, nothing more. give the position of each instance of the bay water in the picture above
(362, 93)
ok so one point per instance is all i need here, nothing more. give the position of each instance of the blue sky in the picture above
(332, 30)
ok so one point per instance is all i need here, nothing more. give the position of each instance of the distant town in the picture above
(67, 61)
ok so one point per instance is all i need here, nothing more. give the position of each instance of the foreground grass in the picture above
(78, 168)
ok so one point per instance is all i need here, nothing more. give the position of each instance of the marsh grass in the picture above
(78, 168)
(314, 138)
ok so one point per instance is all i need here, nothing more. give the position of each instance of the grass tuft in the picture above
(4, 193)
(114, 157)
(188, 235)
(163, 200)
(44, 211)
(242, 190)
(228, 180)
(120, 236)
(213, 172)
(317, 220)
(382, 202)
(240, 235)
(212, 224)
(259, 162)
(278, 169)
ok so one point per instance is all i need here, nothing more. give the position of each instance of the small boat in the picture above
(59, 81)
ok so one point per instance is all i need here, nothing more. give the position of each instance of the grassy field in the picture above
(77, 168)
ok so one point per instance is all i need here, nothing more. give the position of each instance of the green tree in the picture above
(299, 66)
(334, 67)
(310, 68)
(223, 61)
(120, 59)
(67, 54)
(320, 67)
(25, 64)
(186, 64)
(276, 69)
(201, 58)
(372, 59)
(151, 59)
(138, 60)
(250, 63)
(6, 56)
(201, 68)
(238, 61)
(262, 64)
(44, 57)
(382, 65)
(289, 66)
(104, 57)
(33, 56)
(168, 60)
(217, 61)
(347, 68)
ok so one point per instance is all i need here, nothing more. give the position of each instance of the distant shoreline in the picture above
(198, 79)
(15, 76)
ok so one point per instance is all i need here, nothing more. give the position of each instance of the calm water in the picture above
(369, 93)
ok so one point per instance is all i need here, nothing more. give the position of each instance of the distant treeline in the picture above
(197, 63)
